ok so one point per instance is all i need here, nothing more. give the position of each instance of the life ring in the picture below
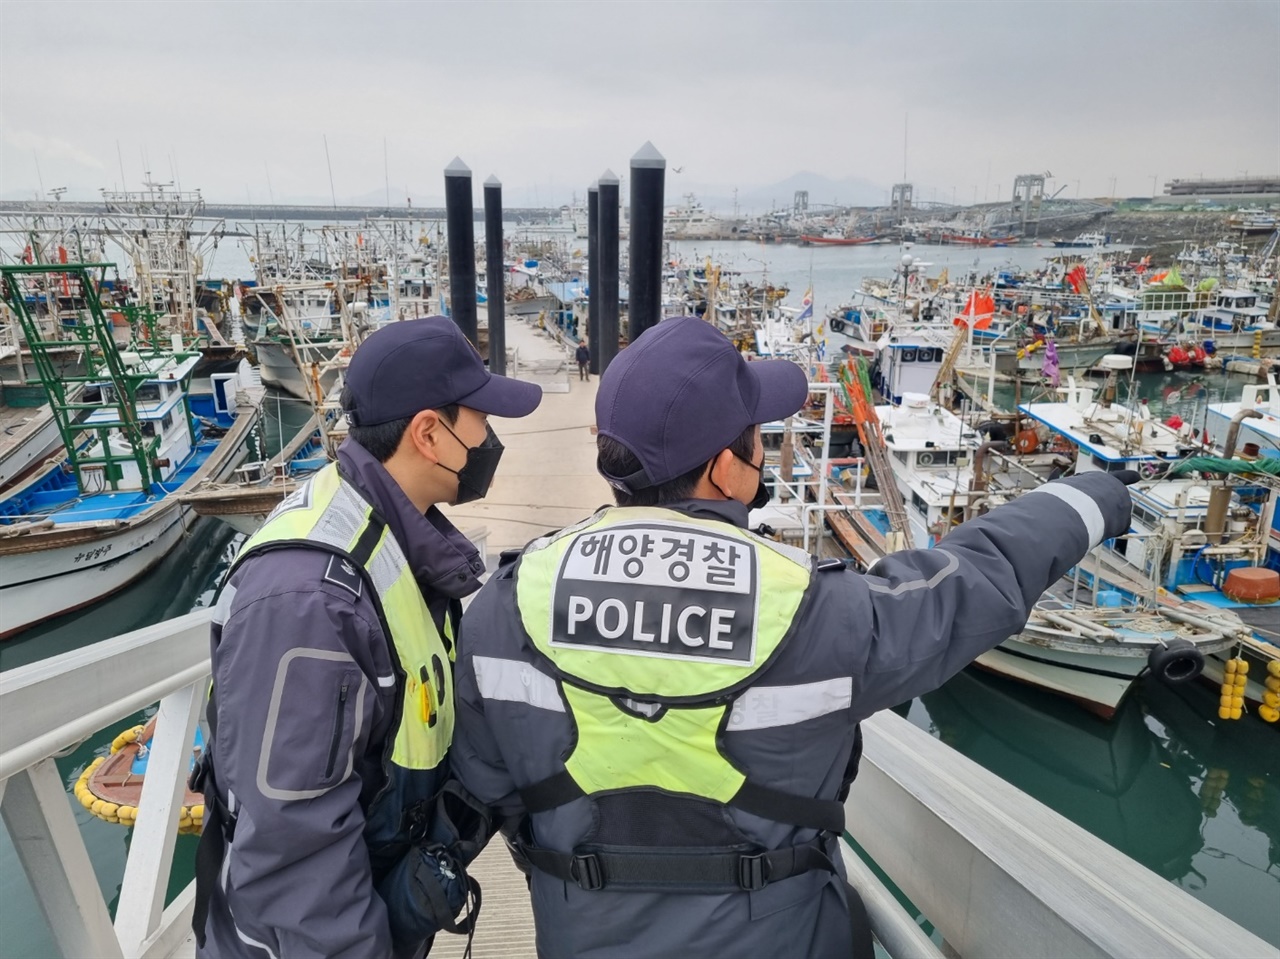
(1175, 663)
(1026, 442)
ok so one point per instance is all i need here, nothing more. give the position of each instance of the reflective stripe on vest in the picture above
(328, 512)
(657, 606)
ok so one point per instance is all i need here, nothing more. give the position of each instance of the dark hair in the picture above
(616, 460)
(383, 439)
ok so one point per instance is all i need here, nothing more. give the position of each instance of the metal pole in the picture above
(495, 276)
(593, 276)
(644, 294)
(462, 248)
(608, 280)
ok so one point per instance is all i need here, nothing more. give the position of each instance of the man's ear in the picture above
(721, 471)
(424, 434)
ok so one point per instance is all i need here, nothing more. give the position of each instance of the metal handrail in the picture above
(994, 870)
(105, 683)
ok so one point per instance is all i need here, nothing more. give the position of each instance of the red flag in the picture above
(978, 312)
(1077, 278)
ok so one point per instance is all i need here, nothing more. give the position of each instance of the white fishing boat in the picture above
(1092, 240)
(1235, 321)
(1092, 654)
(1095, 654)
(93, 522)
(1262, 431)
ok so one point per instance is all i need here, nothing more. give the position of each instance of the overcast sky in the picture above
(235, 98)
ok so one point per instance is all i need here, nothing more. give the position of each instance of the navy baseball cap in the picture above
(424, 364)
(681, 393)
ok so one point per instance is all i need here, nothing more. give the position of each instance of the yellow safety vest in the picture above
(328, 513)
(653, 620)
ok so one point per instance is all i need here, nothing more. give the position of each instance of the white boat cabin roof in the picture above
(1262, 397)
(1167, 496)
(918, 424)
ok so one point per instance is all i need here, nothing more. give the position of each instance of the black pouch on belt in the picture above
(429, 887)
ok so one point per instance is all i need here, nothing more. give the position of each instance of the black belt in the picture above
(593, 869)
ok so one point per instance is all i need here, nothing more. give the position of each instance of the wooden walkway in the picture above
(505, 929)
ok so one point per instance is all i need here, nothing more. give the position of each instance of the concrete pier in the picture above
(547, 478)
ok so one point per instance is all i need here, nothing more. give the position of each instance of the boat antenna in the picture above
(333, 196)
(386, 175)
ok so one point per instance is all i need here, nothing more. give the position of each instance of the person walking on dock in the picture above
(583, 356)
(332, 828)
(666, 705)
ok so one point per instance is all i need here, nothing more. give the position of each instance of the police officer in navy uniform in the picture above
(331, 828)
(667, 705)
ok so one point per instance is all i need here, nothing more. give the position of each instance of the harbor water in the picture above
(1194, 799)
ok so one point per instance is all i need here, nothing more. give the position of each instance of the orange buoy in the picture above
(1026, 441)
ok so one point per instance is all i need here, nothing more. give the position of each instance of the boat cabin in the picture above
(161, 404)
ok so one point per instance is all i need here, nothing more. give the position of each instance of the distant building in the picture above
(1253, 188)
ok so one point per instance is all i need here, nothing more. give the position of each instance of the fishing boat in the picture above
(1091, 653)
(110, 787)
(1234, 321)
(1252, 219)
(97, 519)
(1094, 654)
(259, 486)
(975, 238)
(1092, 240)
(1262, 432)
(836, 239)
(1190, 528)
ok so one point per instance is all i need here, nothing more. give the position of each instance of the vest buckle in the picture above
(586, 872)
(753, 872)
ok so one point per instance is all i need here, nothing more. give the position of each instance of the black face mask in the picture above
(762, 492)
(477, 472)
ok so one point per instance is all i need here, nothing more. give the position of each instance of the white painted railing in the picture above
(52, 706)
(995, 871)
(1000, 874)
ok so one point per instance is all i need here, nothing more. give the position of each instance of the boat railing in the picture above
(993, 870)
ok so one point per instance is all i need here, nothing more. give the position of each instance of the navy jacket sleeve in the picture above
(920, 616)
(296, 692)
(475, 756)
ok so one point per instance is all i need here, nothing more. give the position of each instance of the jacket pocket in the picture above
(313, 724)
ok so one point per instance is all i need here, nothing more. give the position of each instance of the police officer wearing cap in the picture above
(332, 712)
(668, 704)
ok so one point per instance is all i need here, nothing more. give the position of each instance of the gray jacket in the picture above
(304, 700)
(866, 642)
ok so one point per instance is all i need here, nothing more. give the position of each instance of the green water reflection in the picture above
(1194, 800)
